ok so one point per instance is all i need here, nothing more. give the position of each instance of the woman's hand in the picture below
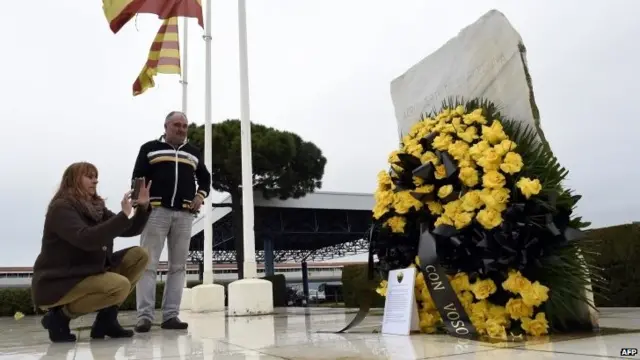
(143, 195)
(126, 204)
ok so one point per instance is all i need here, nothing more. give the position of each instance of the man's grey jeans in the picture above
(175, 226)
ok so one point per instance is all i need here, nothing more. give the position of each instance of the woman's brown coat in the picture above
(75, 245)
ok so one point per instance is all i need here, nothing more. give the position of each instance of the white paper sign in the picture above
(400, 307)
(482, 61)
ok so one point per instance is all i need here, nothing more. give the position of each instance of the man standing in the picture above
(173, 165)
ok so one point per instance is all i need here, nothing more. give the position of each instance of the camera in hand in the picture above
(136, 185)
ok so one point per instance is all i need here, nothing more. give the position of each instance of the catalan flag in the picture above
(119, 12)
(164, 56)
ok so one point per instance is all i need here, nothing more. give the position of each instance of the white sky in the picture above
(321, 69)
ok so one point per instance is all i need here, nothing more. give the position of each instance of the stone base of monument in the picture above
(207, 298)
(250, 297)
(185, 304)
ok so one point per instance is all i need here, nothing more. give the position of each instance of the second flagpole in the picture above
(208, 210)
(208, 296)
(249, 296)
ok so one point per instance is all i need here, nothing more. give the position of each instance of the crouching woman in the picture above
(77, 271)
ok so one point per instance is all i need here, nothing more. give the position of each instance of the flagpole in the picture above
(248, 296)
(249, 266)
(185, 64)
(185, 83)
(208, 210)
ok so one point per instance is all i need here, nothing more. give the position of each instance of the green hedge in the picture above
(13, 300)
(617, 252)
(357, 289)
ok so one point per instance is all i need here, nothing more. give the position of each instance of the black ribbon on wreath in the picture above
(529, 233)
(455, 318)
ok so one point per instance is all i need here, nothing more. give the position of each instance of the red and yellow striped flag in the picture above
(119, 12)
(164, 56)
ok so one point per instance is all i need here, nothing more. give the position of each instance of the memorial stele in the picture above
(487, 59)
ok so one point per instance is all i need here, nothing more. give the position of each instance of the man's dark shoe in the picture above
(143, 326)
(174, 324)
(106, 324)
(57, 323)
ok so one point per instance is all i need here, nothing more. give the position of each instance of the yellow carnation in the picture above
(397, 168)
(479, 323)
(535, 294)
(504, 147)
(490, 160)
(474, 117)
(18, 316)
(379, 210)
(469, 134)
(417, 128)
(396, 223)
(468, 176)
(403, 202)
(495, 199)
(536, 327)
(494, 133)
(459, 110)
(518, 309)
(515, 282)
(467, 162)
(445, 191)
(493, 180)
(383, 199)
(466, 299)
(384, 180)
(424, 189)
(414, 148)
(462, 219)
(480, 309)
(435, 207)
(444, 114)
(443, 220)
(429, 156)
(440, 172)
(382, 288)
(460, 282)
(442, 142)
(499, 314)
(393, 157)
(452, 208)
(489, 218)
(427, 319)
(427, 301)
(458, 125)
(496, 330)
(478, 149)
(471, 201)
(512, 163)
(448, 128)
(417, 181)
(482, 289)
(529, 187)
(458, 149)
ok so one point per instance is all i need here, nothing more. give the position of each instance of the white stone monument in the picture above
(486, 60)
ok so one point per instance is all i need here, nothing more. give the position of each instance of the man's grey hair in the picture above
(174, 113)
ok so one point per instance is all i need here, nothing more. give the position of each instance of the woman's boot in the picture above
(57, 323)
(106, 324)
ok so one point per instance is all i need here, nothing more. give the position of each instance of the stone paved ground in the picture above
(293, 334)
